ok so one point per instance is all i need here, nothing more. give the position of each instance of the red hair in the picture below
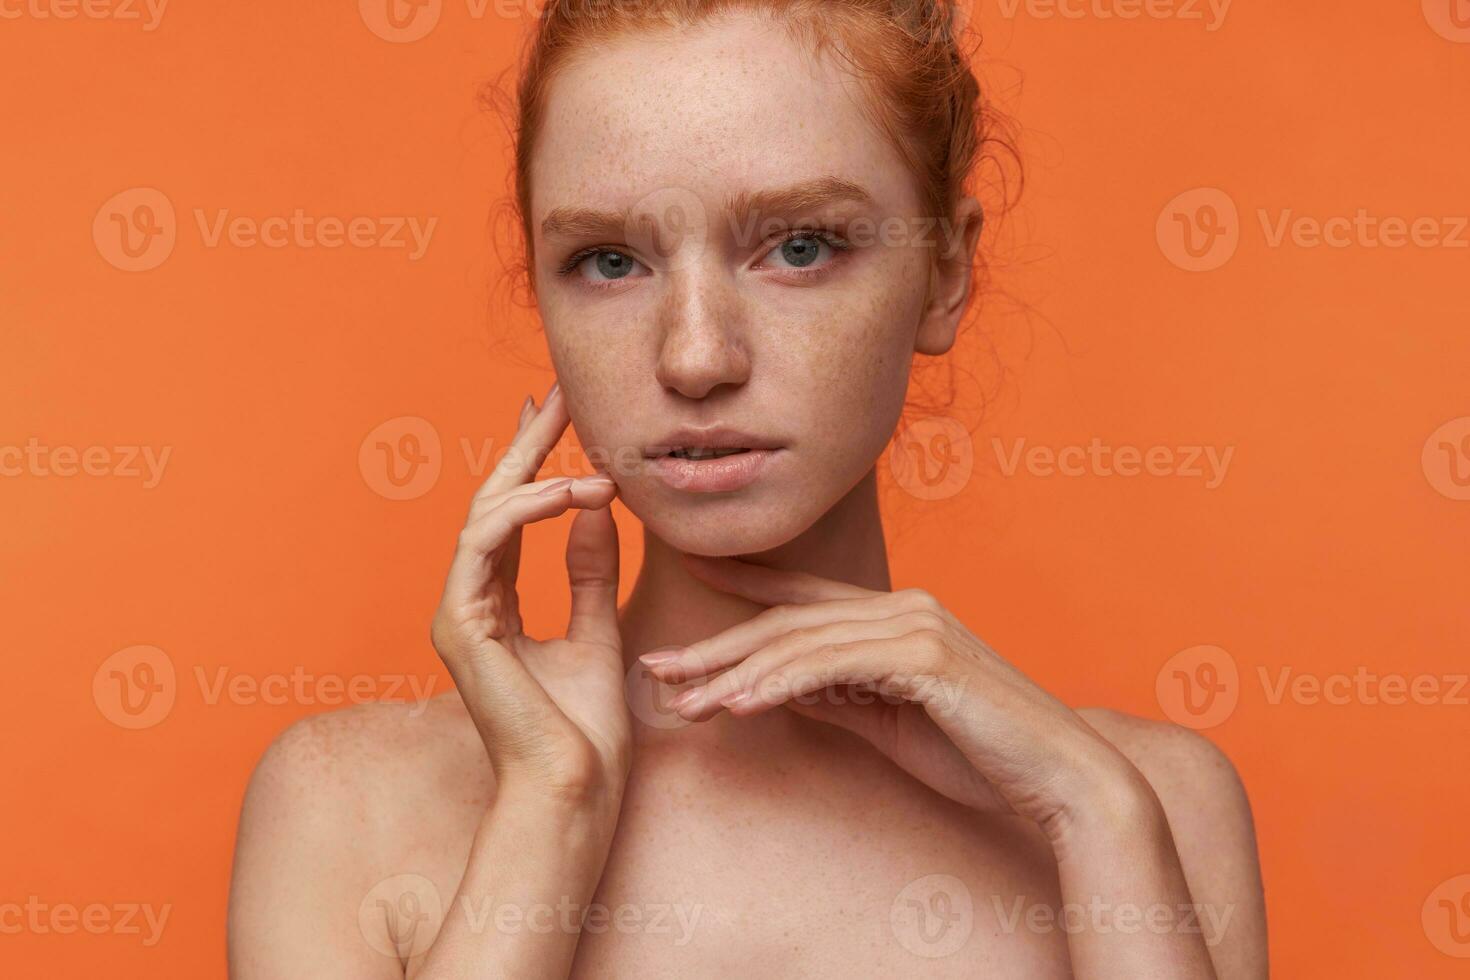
(923, 95)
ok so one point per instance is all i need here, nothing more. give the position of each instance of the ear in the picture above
(950, 278)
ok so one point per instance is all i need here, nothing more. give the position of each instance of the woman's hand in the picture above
(901, 671)
(971, 726)
(551, 712)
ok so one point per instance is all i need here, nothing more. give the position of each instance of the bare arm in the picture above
(309, 897)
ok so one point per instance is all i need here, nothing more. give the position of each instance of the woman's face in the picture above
(672, 171)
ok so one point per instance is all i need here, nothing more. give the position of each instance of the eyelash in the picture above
(836, 242)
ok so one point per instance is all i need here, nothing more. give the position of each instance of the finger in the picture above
(910, 666)
(592, 569)
(733, 645)
(482, 506)
(769, 586)
(705, 701)
(528, 408)
(530, 447)
(481, 538)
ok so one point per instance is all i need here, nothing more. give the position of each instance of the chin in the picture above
(719, 525)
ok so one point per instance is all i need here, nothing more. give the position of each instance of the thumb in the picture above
(592, 567)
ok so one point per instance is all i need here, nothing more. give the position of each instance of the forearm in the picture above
(533, 869)
(1128, 905)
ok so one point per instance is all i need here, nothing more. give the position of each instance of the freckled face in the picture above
(678, 286)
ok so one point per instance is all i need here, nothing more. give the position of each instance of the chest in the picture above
(829, 865)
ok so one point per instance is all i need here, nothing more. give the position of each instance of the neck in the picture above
(669, 606)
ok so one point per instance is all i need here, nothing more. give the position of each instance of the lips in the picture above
(709, 442)
(699, 454)
(724, 474)
(712, 459)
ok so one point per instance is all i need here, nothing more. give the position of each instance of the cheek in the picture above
(592, 366)
(853, 354)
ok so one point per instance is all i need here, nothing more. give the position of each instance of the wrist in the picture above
(586, 813)
(1109, 800)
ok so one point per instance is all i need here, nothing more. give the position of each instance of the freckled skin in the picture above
(821, 366)
(792, 845)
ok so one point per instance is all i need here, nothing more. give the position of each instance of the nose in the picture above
(702, 337)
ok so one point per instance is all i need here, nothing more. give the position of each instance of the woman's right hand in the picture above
(552, 713)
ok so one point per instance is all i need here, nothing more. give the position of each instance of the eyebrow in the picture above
(805, 196)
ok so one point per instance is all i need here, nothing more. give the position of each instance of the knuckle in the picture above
(574, 773)
(921, 600)
(928, 621)
(928, 651)
(829, 656)
(801, 636)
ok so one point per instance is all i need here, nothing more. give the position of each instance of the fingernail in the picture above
(736, 699)
(556, 487)
(596, 479)
(525, 412)
(553, 392)
(663, 655)
(685, 699)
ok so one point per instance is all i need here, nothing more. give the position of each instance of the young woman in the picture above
(742, 219)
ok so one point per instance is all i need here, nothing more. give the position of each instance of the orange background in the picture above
(265, 550)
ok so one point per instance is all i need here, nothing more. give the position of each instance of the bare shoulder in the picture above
(1177, 761)
(368, 754)
(338, 802)
(1210, 817)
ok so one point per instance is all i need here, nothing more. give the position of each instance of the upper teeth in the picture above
(704, 453)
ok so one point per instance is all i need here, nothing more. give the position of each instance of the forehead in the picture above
(733, 103)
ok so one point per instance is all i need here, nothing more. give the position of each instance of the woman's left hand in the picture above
(899, 670)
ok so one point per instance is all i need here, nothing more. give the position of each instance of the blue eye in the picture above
(613, 265)
(807, 251)
(801, 252)
(599, 266)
